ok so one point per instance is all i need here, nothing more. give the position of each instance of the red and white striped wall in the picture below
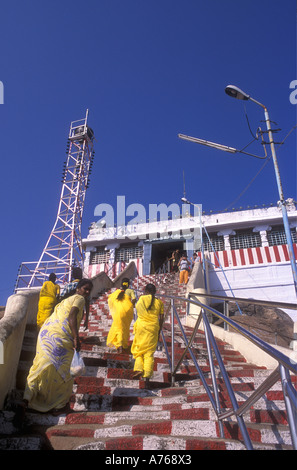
(226, 258)
(114, 270)
(251, 256)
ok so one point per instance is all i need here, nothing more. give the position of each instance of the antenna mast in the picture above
(63, 249)
(184, 184)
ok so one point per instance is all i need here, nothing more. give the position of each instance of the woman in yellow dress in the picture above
(48, 299)
(49, 383)
(150, 317)
(121, 304)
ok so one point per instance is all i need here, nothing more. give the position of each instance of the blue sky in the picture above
(146, 70)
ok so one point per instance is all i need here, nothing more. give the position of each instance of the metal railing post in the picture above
(230, 391)
(172, 344)
(286, 381)
(226, 313)
(212, 373)
(285, 365)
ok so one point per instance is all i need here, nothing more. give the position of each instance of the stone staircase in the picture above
(112, 411)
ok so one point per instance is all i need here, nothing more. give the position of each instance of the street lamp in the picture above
(214, 145)
(186, 201)
(237, 93)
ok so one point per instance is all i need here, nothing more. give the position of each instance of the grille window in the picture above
(129, 252)
(277, 236)
(245, 239)
(216, 243)
(99, 256)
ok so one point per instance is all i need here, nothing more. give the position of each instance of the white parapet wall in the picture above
(21, 308)
(250, 352)
(219, 286)
(271, 283)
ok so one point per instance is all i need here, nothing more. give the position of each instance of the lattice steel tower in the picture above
(63, 249)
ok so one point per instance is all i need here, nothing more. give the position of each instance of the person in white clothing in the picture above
(184, 267)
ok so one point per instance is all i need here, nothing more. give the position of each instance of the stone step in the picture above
(29, 442)
(112, 411)
(168, 405)
(188, 429)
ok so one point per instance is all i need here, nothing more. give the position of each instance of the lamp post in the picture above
(237, 93)
(186, 201)
(199, 207)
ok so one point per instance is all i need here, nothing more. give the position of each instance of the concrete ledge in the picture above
(130, 272)
(250, 352)
(101, 282)
(21, 309)
(294, 342)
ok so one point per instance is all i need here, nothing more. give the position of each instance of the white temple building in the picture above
(245, 250)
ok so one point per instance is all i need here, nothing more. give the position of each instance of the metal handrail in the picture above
(285, 366)
(263, 303)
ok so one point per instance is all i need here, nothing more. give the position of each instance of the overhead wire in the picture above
(250, 183)
(265, 163)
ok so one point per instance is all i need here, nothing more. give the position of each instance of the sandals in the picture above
(60, 411)
(137, 374)
(147, 385)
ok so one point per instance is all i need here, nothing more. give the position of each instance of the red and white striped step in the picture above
(111, 411)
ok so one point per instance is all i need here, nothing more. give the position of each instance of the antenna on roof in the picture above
(184, 184)
(64, 249)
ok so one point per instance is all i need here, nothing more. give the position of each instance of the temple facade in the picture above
(245, 250)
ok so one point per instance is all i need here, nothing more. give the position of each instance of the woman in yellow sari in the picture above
(121, 303)
(48, 298)
(49, 383)
(150, 317)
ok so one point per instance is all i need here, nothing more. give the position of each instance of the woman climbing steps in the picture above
(150, 317)
(121, 306)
